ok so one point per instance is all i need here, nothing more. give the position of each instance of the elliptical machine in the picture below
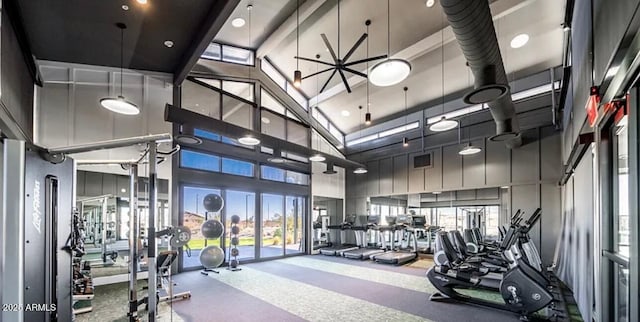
(521, 293)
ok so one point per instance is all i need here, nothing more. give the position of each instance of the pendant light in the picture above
(405, 140)
(390, 71)
(317, 157)
(119, 104)
(360, 170)
(297, 75)
(277, 156)
(444, 124)
(249, 139)
(367, 116)
(469, 149)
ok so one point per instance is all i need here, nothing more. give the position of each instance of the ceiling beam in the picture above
(287, 27)
(215, 19)
(418, 49)
(182, 116)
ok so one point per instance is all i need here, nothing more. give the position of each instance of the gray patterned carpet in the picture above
(303, 288)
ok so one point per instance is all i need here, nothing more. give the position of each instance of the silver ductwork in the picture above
(473, 27)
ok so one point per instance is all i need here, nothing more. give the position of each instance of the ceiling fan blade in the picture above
(314, 61)
(344, 80)
(353, 71)
(328, 80)
(326, 43)
(318, 73)
(365, 60)
(355, 46)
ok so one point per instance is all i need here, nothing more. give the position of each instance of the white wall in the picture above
(68, 111)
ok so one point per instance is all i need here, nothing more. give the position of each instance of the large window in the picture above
(199, 161)
(281, 175)
(209, 162)
(229, 54)
(193, 215)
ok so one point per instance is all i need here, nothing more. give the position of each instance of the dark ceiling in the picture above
(84, 31)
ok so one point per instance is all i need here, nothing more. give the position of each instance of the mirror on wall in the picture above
(486, 209)
(105, 218)
(326, 211)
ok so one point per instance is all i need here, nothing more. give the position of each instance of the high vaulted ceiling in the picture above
(84, 31)
(417, 33)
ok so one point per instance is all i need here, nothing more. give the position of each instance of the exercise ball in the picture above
(213, 202)
(212, 229)
(235, 241)
(235, 230)
(211, 256)
(235, 252)
(234, 263)
(235, 219)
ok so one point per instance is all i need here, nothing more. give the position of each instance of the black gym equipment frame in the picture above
(38, 206)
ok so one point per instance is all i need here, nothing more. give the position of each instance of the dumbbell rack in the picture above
(82, 284)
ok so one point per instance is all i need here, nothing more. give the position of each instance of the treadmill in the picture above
(400, 255)
(366, 250)
(337, 250)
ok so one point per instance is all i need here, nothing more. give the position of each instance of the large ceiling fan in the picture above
(341, 65)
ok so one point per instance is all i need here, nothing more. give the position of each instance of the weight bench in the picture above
(164, 261)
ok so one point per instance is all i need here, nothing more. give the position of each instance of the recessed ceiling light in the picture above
(345, 113)
(430, 3)
(125, 7)
(505, 187)
(519, 40)
(123, 190)
(168, 43)
(436, 192)
(265, 120)
(238, 22)
(142, 1)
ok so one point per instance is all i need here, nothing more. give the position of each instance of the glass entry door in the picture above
(617, 248)
(296, 209)
(272, 226)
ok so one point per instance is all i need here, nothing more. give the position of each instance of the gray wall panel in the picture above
(93, 184)
(524, 163)
(550, 149)
(373, 178)
(386, 176)
(451, 167)
(400, 167)
(433, 175)
(498, 164)
(473, 172)
(551, 220)
(109, 185)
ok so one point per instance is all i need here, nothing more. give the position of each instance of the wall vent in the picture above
(423, 161)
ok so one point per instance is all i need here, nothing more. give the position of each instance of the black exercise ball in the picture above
(235, 219)
(213, 202)
(212, 229)
(235, 252)
(235, 241)
(235, 230)
(234, 263)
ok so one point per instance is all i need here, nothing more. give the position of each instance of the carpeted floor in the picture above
(312, 288)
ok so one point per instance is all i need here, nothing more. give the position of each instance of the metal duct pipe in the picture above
(473, 27)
